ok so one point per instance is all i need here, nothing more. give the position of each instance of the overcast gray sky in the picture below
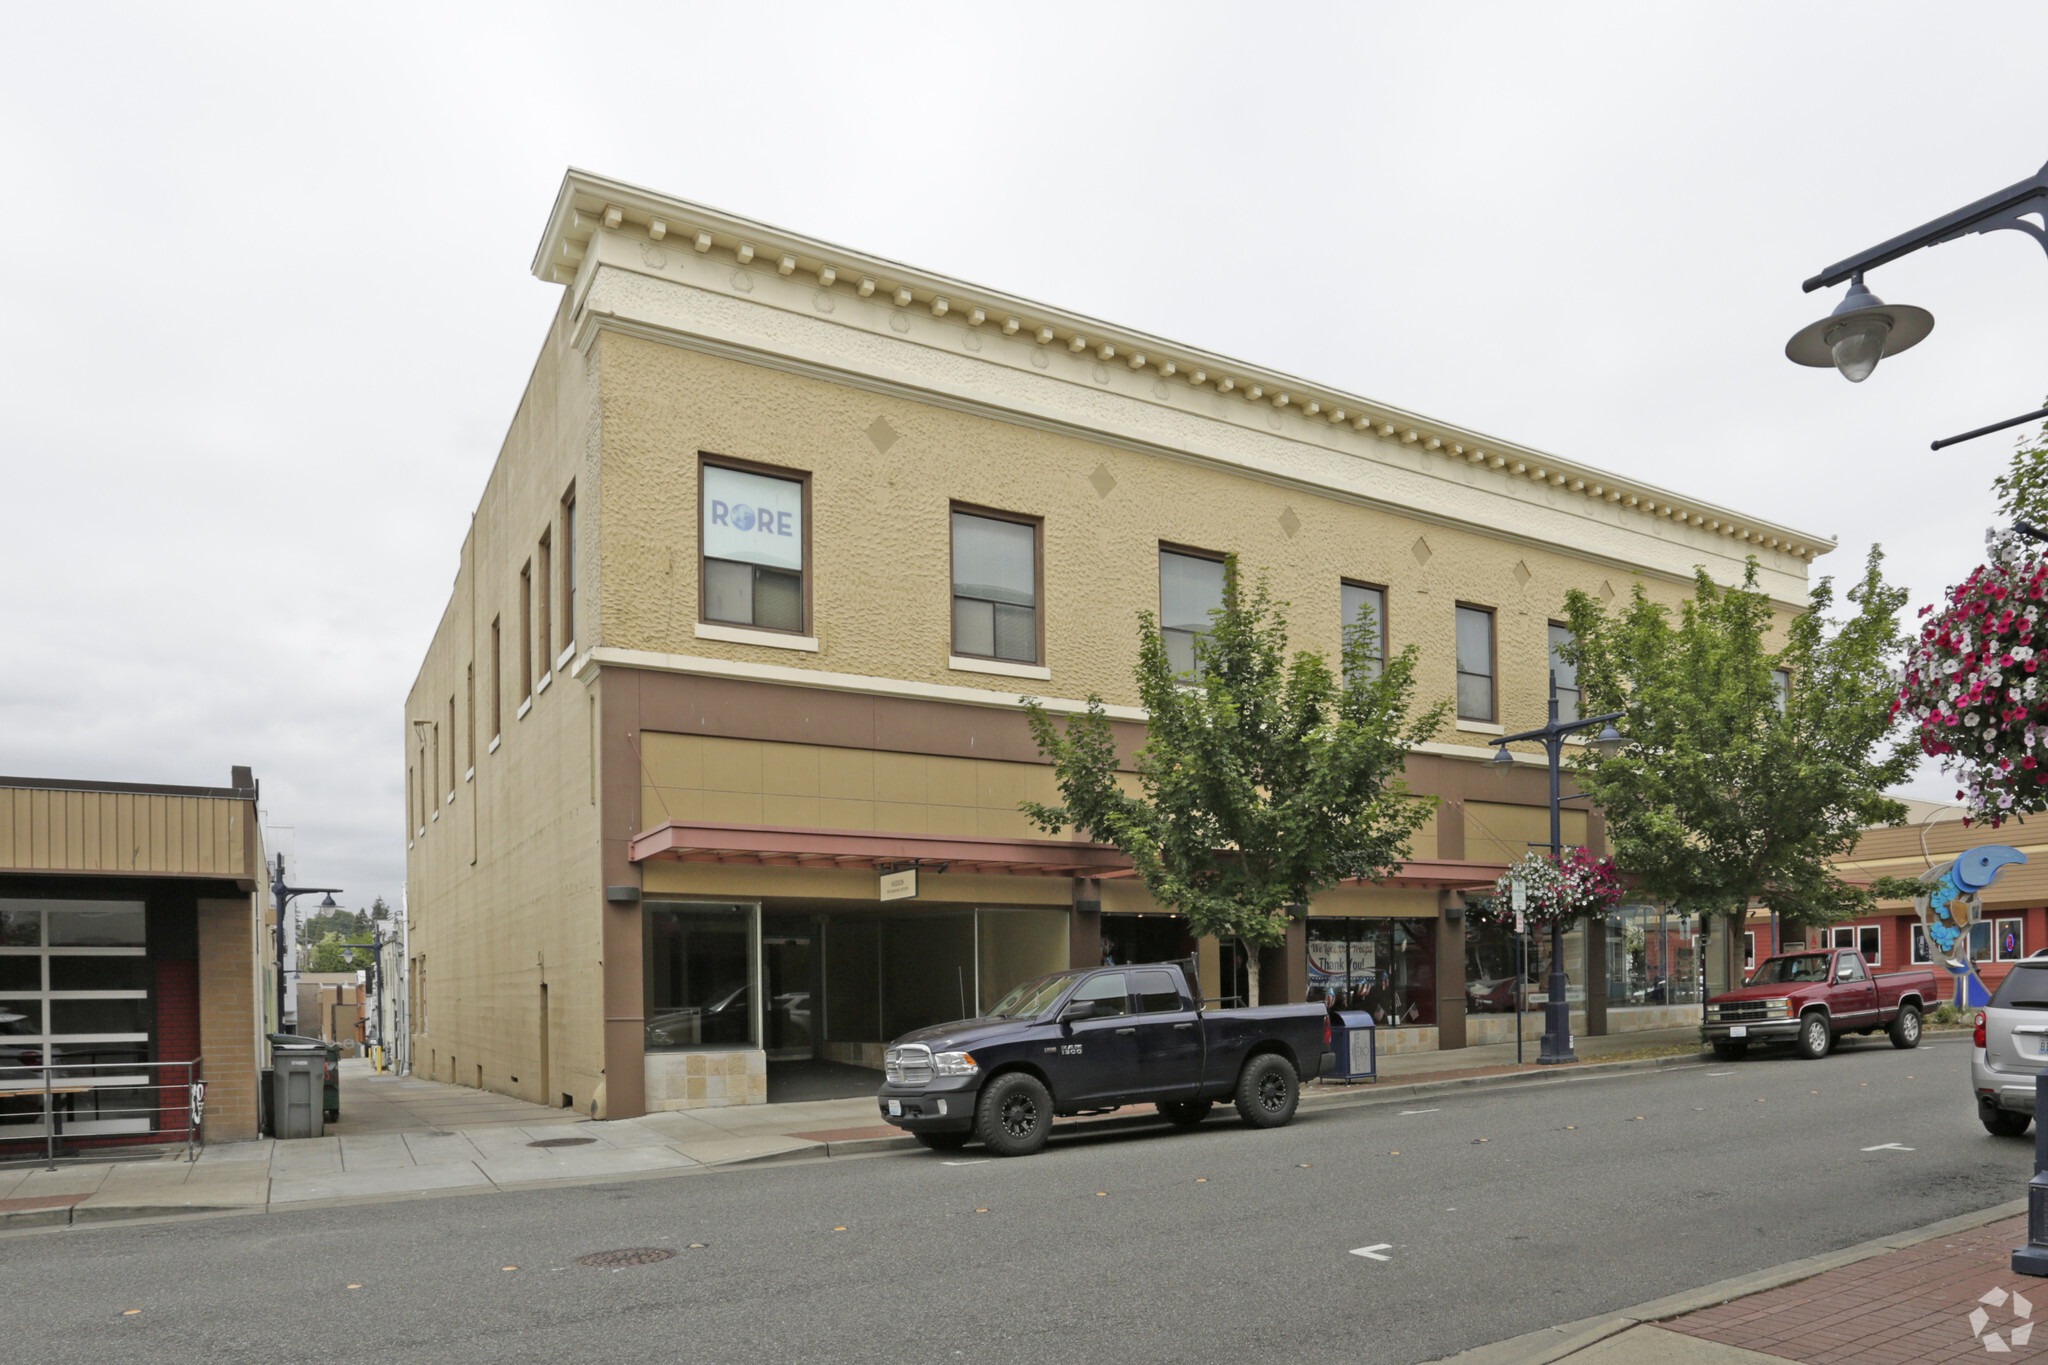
(269, 310)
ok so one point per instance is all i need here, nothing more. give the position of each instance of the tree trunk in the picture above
(1251, 974)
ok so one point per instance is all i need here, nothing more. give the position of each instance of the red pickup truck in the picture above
(1811, 999)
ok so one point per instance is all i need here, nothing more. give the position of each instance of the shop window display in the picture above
(1386, 967)
(1652, 957)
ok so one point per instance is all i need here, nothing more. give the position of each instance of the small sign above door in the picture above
(899, 886)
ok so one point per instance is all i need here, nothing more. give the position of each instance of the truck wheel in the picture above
(2004, 1122)
(1814, 1038)
(1905, 1029)
(1731, 1052)
(1267, 1091)
(1185, 1113)
(944, 1142)
(1014, 1116)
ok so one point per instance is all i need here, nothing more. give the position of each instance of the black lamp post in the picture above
(1864, 328)
(283, 896)
(1557, 1009)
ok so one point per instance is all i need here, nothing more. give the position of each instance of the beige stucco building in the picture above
(779, 535)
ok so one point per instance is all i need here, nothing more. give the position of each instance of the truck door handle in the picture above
(1183, 1025)
(1126, 1030)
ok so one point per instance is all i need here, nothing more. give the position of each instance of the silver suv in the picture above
(2011, 1048)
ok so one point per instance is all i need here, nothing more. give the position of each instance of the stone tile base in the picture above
(706, 1080)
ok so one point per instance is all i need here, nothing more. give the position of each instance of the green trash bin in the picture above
(331, 1087)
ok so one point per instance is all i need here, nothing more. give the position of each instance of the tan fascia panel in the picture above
(586, 201)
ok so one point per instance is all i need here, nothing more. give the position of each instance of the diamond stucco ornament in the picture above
(1420, 549)
(1606, 591)
(1289, 522)
(882, 434)
(1103, 481)
(1522, 574)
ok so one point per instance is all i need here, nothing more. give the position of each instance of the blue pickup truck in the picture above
(1092, 1040)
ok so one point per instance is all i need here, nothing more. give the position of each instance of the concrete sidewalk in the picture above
(400, 1135)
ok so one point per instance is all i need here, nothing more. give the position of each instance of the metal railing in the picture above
(99, 1110)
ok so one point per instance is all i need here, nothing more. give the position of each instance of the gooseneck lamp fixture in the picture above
(1864, 329)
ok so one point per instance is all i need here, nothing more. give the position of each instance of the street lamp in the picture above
(282, 896)
(1557, 1009)
(1863, 329)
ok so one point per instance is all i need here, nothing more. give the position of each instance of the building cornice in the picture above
(588, 205)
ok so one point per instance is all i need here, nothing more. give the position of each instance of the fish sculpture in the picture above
(1949, 904)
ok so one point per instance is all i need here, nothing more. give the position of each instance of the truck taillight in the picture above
(1977, 1038)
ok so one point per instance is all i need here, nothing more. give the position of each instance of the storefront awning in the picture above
(690, 841)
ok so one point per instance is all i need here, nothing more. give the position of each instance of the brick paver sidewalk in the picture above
(1915, 1304)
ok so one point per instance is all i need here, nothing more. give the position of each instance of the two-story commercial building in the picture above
(779, 536)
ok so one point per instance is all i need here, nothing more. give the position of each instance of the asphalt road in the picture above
(1498, 1212)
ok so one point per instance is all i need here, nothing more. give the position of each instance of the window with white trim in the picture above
(1921, 956)
(74, 995)
(1870, 942)
(1748, 950)
(2012, 939)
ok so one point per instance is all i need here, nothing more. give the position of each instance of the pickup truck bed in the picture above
(1096, 1039)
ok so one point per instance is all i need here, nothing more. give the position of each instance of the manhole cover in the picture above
(561, 1142)
(626, 1256)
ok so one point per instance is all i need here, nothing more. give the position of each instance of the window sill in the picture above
(542, 685)
(451, 798)
(496, 740)
(745, 635)
(1001, 668)
(434, 816)
(470, 776)
(562, 659)
(1481, 727)
(524, 707)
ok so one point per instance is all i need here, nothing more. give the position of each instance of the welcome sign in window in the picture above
(753, 544)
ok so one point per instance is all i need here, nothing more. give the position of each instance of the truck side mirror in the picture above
(1077, 1009)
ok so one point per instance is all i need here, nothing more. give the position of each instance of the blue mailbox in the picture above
(1357, 1047)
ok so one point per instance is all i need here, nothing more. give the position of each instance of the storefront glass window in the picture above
(1384, 966)
(1651, 958)
(698, 969)
(74, 993)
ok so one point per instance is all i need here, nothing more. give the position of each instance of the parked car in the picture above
(1092, 1040)
(1811, 999)
(2011, 1048)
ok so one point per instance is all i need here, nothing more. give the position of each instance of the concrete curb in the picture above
(1560, 1342)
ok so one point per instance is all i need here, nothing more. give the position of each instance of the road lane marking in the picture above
(983, 1162)
(1888, 1147)
(1720, 1073)
(1372, 1253)
(1406, 1112)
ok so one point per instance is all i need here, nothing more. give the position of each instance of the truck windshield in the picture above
(2025, 988)
(1799, 969)
(1033, 998)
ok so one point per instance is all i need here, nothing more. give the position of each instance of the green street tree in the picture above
(330, 954)
(1738, 789)
(1263, 779)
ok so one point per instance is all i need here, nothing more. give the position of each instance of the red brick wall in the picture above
(177, 1039)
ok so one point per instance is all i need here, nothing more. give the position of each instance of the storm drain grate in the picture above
(561, 1142)
(626, 1256)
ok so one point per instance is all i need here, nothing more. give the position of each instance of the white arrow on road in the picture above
(1372, 1253)
(1888, 1147)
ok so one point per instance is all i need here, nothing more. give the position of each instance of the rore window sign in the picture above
(753, 544)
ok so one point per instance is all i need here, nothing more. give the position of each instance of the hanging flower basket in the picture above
(1970, 686)
(1564, 892)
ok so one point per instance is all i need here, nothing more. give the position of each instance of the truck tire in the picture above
(1267, 1091)
(1185, 1113)
(1731, 1052)
(2004, 1122)
(1014, 1117)
(1814, 1038)
(1905, 1029)
(944, 1142)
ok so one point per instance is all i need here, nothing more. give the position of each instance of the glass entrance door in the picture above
(789, 970)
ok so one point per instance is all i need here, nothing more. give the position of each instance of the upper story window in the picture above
(755, 548)
(569, 567)
(1475, 664)
(526, 631)
(544, 628)
(1564, 673)
(1367, 607)
(995, 587)
(1781, 688)
(1190, 587)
